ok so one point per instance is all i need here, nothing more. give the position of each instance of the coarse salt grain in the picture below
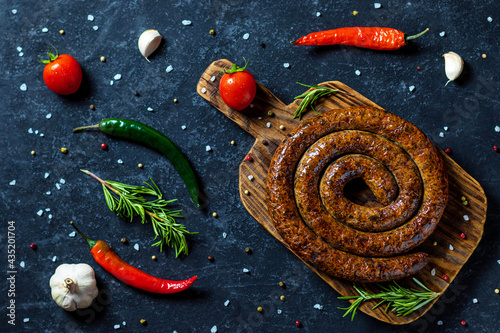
(474, 300)
(224, 235)
(357, 72)
(286, 65)
(19, 49)
(117, 77)
(14, 11)
(42, 135)
(318, 14)
(40, 212)
(48, 115)
(489, 19)
(279, 311)
(47, 209)
(411, 88)
(46, 175)
(25, 320)
(111, 82)
(442, 34)
(30, 130)
(120, 161)
(23, 87)
(12, 183)
(136, 247)
(54, 258)
(377, 5)
(124, 323)
(90, 17)
(268, 125)
(250, 177)
(208, 148)
(169, 69)
(117, 326)
(62, 181)
(246, 36)
(318, 306)
(58, 186)
(36, 131)
(445, 128)
(22, 264)
(50, 216)
(95, 27)
(203, 90)
(212, 78)
(466, 217)
(440, 322)
(21, 54)
(183, 127)
(150, 109)
(441, 134)
(498, 261)
(433, 271)
(45, 30)
(213, 329)
(246, 270)
(497, 129)
(226, 303)
(186, 22)
(48, 193)
(72, 234)
(451, 247)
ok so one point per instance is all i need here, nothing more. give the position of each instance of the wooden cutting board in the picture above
(448, 252)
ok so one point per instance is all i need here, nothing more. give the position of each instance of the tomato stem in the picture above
(51, 55)
(236, 68)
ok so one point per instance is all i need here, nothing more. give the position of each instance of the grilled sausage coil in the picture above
(306, 200)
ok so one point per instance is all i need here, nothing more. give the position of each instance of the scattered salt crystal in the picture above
(497, 128)
(357, 72)
(111, 82)
(411, 88)
(224, 235)
(14, 11)
(25, 320)
(117, 77)
(377, 5)
(498, 261)
(58, 186)
(203, 90)
(150, 109)
(279, 311)
(90, 17)
(183, 127)
(246, 270)
(445, 128)
(226, 303)
(318, 14)
(213, 78)
(433, 271)
(62, 181)
(136, 247)
(441, 134)
(214, 329)
(48, 115)
(12, 183)
(124, 323)
(170, 68)
(42, 135)
(246, 36)
(23, 87)
(45, 30)
(19, 49)
(318, 306)
(442, 33)
(21, 54)
(40, 212)
(36, 131)
(440, 322)
(46, 175)
(47, 209)
(208, 148)
(474, 300)
(250, 177)
(48, 193)
(186, 22)
(286, 65)
(489, 19)
(259, 118)
(120, 161)
(72, 234)
(95, 27)
(30, 130)
(50, 216)
(54, 258)
(466, 217)
(251, 105)
(117, 326)
(451, 247)
(22, 264)
(268, 125)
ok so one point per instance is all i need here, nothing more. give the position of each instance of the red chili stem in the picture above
(116, 266)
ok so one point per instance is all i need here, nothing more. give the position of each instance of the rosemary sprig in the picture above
(128, 202)
(402, 300)
(310, 97)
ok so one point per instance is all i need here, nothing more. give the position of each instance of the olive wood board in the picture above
(269, 131)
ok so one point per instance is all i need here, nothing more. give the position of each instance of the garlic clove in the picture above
(149, 42)
(453, 66)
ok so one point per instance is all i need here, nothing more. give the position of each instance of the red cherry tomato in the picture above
(237, 87)
(62, 73)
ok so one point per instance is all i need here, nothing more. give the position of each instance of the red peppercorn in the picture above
(249, 158)
(495, 148)
(297, 323)
(445, 277)
(33, 246)
(463, 322)
(462, 235)
(104, 146)
(447, 151)
(419, 68)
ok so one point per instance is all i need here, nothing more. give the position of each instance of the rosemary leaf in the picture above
(309, 98)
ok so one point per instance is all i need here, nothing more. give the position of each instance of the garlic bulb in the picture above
(149, 42)
(73, 286)
(453, 66)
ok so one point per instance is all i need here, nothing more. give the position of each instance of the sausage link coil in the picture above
(306, 200)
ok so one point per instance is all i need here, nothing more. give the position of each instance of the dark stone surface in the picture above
(469, 107)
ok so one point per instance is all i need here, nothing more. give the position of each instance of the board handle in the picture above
(254, 119)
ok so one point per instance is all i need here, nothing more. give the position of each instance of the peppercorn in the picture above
(262, 45)
(176, 100)
(260, 309)
(33, 246)
(463, 198)
(153, 257)
(123, 240)
(210, 258)
(483, 55)
(434, 243)
(264, 142)
(92, 107)
(465, 203)
(33, 152)
(247, 192)
(61, 32)
(140, 165)
(282, 127)
(104, 146)
(497, 291)
(103, 59)
(462, 235)
(495, 148)
(212, 32)
(270, 113)
(247, 250)
(447, 151)
(282, 298)
(419, 68)
(63, 150)
(144, 322)
(445, 277)
(214, 214)
(297, 323)
(232, 142)
(355, 12)
(249, 158)
(463, 323)
(281, 284)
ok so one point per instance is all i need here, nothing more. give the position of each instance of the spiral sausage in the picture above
(306, 201)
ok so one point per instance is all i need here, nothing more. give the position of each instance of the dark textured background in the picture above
(469, 107)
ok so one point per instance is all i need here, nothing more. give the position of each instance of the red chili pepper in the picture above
(129, 274)
(376, 38)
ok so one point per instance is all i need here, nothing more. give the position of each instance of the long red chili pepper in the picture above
(129, 274)
(376, 38)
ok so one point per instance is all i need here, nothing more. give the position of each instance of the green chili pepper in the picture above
(148, 136)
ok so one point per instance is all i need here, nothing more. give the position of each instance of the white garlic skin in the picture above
(73, 286)
(453, 66)
(149, 42)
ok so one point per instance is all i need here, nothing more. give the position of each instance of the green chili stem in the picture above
(85, 127)
(417, 35)
(89, 241)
